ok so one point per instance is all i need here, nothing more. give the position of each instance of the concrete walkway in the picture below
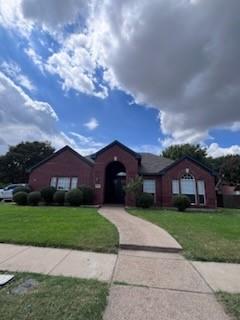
(220, 276)
(72, 263)
(150, 285)
(138, 234)
(160, 286)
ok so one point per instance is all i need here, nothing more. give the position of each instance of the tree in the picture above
(228, 168)
(176, 152)
(19, 158)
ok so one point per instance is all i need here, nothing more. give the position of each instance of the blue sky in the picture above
(85, 77)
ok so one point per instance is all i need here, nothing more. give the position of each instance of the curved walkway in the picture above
(138, 234)
(155, 285)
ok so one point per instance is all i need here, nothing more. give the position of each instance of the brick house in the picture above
(108, 170)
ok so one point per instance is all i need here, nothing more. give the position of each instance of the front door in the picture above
(115, 181)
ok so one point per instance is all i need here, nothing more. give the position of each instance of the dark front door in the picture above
(115, 181)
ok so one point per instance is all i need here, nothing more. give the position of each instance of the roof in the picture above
(153, 164)
(119, 144)
(85, 159)
(150, 164)
(174, 163)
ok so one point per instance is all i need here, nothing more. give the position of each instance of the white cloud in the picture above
(180, 57)
(92, 124)
(22, 118)
(214, 150)
(13, 70)
(11, 17)
(164, 55)
(37, 60)
(76, 67)
(86, 145)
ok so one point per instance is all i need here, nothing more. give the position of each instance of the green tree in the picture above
(228, 168)
(19, 158)
(195, 151)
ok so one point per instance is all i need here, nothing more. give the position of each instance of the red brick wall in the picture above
(198, 172)
(101, 162)
(65, 164)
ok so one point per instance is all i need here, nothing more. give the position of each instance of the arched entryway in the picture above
(115, 181)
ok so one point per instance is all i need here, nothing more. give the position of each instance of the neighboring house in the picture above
(228, 195)
(108, 170)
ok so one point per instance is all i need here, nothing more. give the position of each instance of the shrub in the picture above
(181, 202)
(26, 189)
(144, 200)
(47, 194)
(20, 198)
(87, 194)
(34, 198)
(134, 186)
(59, 197)
(74, 197)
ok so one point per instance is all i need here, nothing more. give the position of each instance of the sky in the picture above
(147, 73)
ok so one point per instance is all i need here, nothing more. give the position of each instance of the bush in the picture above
(87, 194)
(181, 202)
(26, 189)
(34, 198)
(21, 198)
(59, 197)
(74, 197)
(47, 194)
(144, 200)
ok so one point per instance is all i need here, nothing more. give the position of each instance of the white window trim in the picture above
(197, 194)
(55, 179)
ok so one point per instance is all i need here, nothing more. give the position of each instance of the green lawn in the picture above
(231, 303)
(204, 236)
(55, 298)
(77, 228)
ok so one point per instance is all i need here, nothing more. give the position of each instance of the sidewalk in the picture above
(150, 285)
(71, 263)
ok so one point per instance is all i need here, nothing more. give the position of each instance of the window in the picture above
(63, 183)
(188, 187)
(175, 187)
(74, 182)
(149, 186)
(53, 182)
(201, 192)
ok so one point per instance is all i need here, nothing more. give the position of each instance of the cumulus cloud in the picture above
(22, 118)
(178, 56)
(76, 66)
(54, 12)
(214, 150)
(92, 124)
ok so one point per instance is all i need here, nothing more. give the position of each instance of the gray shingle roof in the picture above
(150, 163)
(153, 164)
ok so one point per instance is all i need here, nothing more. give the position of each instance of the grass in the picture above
(54, 298)
(231, 303)
(212, 236)
(77, 228)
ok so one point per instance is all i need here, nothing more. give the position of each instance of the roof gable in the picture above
(120, 145)
(55, 154)
(192, 160)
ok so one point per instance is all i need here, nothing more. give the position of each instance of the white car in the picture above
(7, 192)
